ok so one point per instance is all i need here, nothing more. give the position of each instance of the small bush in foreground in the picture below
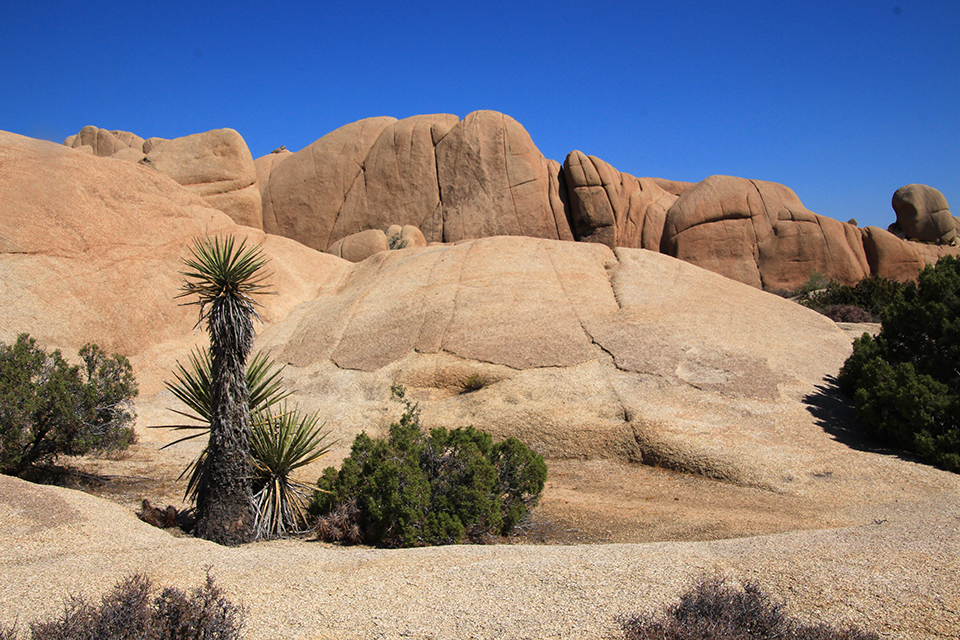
(414, 489)
(716, 610)
(50, 408)
(131, 611)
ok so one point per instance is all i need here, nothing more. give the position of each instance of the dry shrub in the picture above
(131, 612)
(715, 610)
(847, 313)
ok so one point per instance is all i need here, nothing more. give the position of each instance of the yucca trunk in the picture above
(225, 512)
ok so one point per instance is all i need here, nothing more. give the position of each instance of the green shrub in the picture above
(415, 489)
(50, 408)
(131, 611)
(474, 382)
(873, 294)
(715, 610)
(905, 382)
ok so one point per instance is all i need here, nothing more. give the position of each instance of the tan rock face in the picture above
(614, 208)
(218, 167)
(441, 179)
(265, 164)
(306, 191)
(494, 181)
(399, 184)
(923, 214)
(585, 351)
(452, 180)
(358, 247)
(105, 143)
(760, 234)
(91, 252)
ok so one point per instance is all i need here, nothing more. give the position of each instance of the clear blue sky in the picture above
(843, 101)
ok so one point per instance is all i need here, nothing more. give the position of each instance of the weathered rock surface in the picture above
(923, 214)
(265, 164)
(103, 143)
(215, 165)
(614, 208)
(218, 167)
(587, 352)
(759, 233)
(90, 251)
(495, 182)
(383, 171)
(483, 176)
(306, 191)
(359, 246)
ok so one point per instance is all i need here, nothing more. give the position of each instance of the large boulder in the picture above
(103, 143)
(400, 184)
(91, 251)
(307, 190)
(494, 181)
(614, 208)
(359, 246)
(584, 352)
(923, 214)
(216, 166)
(452, 179)
(759, 233)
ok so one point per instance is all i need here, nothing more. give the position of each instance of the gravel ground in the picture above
(894, 572)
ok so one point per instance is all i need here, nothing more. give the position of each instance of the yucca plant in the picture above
(223, 276)
(282, 442)
(192, 386)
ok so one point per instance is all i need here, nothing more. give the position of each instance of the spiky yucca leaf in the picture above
(194, 382)
(281, 443)
(193, 386)
(219, 274)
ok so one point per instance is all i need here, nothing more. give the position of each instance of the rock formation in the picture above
(91, 252)
(218, 167)
(923, 214)
(483, 176)
(103, 143)
(215, 165)
(382, 171)
(587, 350)
(760, 234)
(614, 208)
(454, 180)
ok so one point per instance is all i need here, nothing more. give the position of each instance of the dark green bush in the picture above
(905, 382)
(715, 610)
(873, 294)
(50, 408)
(131, 611)
(415, 489)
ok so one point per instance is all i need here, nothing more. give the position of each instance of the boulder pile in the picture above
(442, 180)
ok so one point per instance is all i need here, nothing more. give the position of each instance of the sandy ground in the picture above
(609, 539)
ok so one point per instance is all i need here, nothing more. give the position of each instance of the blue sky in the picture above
(843, 101)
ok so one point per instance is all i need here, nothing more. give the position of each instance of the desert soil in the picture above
(609, 539)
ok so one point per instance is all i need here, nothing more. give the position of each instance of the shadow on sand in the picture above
(836, 415)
